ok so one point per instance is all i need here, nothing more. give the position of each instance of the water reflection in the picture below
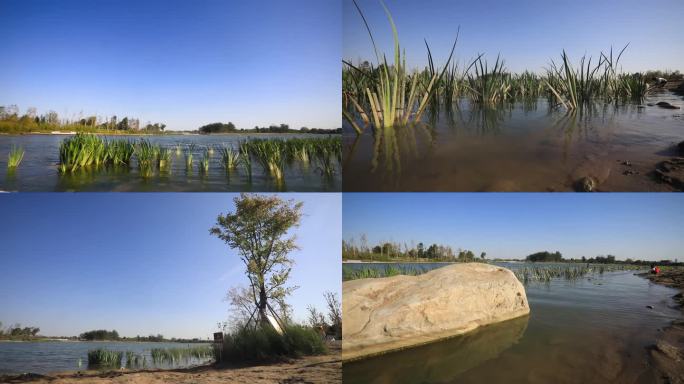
(525, 146)
(440, 362)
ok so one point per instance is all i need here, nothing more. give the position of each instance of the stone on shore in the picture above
(385, 314)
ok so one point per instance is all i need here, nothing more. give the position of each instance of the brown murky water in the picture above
(518, 147)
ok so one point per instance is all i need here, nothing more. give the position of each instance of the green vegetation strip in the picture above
(264, 343)
(87, 151)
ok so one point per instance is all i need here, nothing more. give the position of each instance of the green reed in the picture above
(204, 162)
(177, 355)
(16, 155)
(392, 96)
(103, 358)
(230, 158)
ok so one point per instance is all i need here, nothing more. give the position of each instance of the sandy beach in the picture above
(311, 369)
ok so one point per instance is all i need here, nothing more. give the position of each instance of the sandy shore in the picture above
(667, 355)
(312, 369)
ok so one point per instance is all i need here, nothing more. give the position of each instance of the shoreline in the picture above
(308, 369)
(667, 352)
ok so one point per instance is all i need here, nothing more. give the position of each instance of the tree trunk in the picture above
(263, 305)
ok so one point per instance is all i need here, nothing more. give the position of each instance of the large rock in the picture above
(381, 315)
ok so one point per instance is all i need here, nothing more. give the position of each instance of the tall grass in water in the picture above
(102, 358)
(575, 87)
(264, 344)
(188, 157)
(147, 156)
(389, 270)
(230, 158)
(488, 85)
(15, 156)
(163, 158)
(177, 355)
(134, 360)
(246, 159)
(269, 153)
(204, 162)
(393, 97)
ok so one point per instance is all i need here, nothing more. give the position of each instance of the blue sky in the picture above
(526, 33)
(143, 263)
(644, 226)
(183, 63)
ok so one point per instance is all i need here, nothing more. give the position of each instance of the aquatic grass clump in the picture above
(349, 273)
(134, 360)
(204, 163)
(266, 344)
(103, 358)
(177, 355)
(15, 156)
(147, 155)
(488, 85)
(79, 152)
(230, 158)
(120, 152)
(393, 97)
(246, 159)
(269, 153)
(163, 158)
(188, 157)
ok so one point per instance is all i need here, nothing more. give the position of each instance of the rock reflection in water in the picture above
(439, 362)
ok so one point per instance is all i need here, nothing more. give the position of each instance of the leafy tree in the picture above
(258, 230)
(217, 128)
(545, 256)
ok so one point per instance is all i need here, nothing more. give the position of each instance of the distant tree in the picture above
(421, 249)
(217, 128)
(483, 255)
(257, 229)
(545, 256)
(123, 124)
(334, 313)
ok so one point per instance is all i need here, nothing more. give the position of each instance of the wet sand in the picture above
(667, 354)
(311, 369)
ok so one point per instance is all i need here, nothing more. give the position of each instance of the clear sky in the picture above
(143, 263)
(644, 226)
(183, 63)
(526, 33)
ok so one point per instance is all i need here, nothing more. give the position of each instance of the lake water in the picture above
(518, 147)
(38, 170)
(593, 330)
(56, 356)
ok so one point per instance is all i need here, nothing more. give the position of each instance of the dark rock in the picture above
(627, 163)
(649, 306)
(671, 172)
(666, 105)
(586, 184)
(680, 146)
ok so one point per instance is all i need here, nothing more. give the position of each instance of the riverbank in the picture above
(667, 354)
(309, 369)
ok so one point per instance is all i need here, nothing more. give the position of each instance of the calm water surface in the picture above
(594, 330)
(38, 170)
(517, 147)
(55, 356)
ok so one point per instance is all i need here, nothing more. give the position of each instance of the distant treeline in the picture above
(282, 128)
(546, 256)
(12, 121)
(16, 331)
(394, 251)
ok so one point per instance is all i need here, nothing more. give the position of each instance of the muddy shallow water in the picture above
(38, 170)
(518, 147)
(595, 330)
